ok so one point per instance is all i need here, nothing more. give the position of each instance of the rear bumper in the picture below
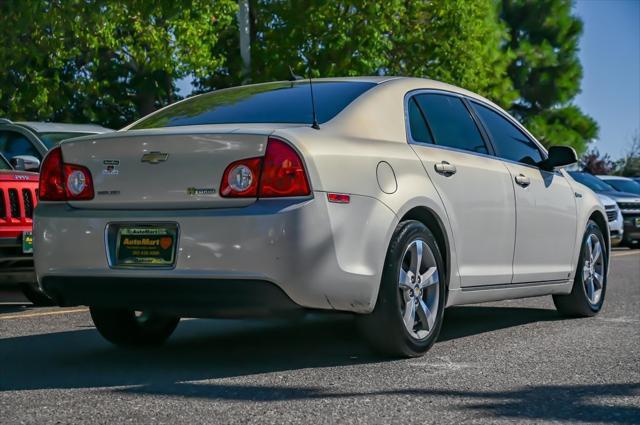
(321, 255)
(174, 296)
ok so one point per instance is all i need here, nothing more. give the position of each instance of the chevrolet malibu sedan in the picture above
(390, 198)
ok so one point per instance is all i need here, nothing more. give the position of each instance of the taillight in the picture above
(51, 187)
(64, 182)
(283, 173)
(240, 179)
(280, 173)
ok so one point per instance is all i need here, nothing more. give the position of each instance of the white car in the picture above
(616, 221)
(387, 197)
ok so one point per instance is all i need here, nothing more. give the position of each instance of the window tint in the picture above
(281, 102)
(14, 144)
(510, 143)
(4, 164)
(451, 122)
(419, 130)
(624, 185)
(52, 139)
(591, 181)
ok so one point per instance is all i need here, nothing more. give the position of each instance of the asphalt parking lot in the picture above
(513, 361)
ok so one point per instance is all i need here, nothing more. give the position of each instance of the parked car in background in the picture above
(24, 144)
(629, 204)
(18, 199)
(622, 184)
(399, 197)
(614, 216)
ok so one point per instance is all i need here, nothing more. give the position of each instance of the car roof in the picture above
(55, 127)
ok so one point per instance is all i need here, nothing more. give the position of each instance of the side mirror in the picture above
(559, 156)
(17, 163)
(25, 162)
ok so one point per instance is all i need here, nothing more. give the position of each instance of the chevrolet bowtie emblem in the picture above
(154, 157)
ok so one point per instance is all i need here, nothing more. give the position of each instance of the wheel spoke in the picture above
(405, 279)
(416, 257)
(590, 246)
(410, 314)
(425, 315)
(590, 289)
(597, 279)
(430, 277)
(597, 251)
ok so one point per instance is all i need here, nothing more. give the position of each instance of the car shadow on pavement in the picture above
(209, 349)
(463, 321)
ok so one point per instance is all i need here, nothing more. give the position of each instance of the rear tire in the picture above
(127, 329)
(36, 297)
(590, 284)
(408, 314)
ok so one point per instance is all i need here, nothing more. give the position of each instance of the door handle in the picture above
(445, 168)
(523, 180)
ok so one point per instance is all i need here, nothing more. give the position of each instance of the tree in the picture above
(595, 163)
(546, 71)
(453, 41)
(104, 61)
(629, 165)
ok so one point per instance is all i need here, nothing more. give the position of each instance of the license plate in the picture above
(27, 242)
(146, 246)
(637, 221)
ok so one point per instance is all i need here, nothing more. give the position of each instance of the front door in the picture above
(475, 188)
(545, 203)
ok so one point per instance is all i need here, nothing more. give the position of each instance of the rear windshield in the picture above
(283, 102)
(51, 139)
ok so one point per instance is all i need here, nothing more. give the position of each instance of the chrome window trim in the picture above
(463, 97)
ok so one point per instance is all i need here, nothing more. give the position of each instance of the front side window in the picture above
(451, 123)
(510, 143)
(13, 144)
(283, 102)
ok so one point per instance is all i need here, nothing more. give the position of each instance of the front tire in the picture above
(408, 314)
(590, 284)
(128, 328)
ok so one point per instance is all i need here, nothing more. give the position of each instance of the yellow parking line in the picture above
(44, 313)
(624, 254)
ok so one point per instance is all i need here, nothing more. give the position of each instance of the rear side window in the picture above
(283, 102)
(509, 141)
(451, 122)
(419, 130)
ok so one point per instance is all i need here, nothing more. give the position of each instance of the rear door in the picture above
(475, 188)
(545, 204)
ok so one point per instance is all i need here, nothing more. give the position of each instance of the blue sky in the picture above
(610, 56)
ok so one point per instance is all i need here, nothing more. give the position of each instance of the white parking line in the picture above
(625, 253)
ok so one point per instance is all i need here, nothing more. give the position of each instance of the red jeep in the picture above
(18, 198)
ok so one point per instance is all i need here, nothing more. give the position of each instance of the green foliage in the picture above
(111, 61)
(104, 61)
(452, 41)
(546, 71)
(629, 165)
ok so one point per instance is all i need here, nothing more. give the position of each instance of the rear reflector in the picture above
(339, 198)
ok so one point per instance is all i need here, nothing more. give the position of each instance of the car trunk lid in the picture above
(132, 170)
